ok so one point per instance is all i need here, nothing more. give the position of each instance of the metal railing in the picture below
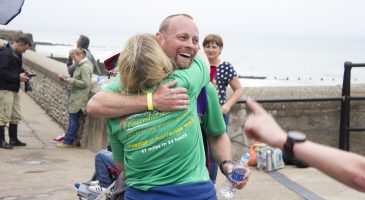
(344, 141)
(345, 108)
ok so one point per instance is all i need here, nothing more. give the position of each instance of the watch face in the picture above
(297, 136)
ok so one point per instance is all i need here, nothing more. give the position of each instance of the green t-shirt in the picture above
(163, 148)
(212, 122)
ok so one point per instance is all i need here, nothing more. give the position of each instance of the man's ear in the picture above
(159, 37)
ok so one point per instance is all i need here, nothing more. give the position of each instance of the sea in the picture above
(268, 60)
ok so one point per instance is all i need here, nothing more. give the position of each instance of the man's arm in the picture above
(346, 167)
(215, 128)
(5, 64)
(221, 149)
(220, 146)
(109, 104)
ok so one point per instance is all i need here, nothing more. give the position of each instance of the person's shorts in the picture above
(9, 107)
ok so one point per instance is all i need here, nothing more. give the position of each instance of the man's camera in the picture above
(28, 85)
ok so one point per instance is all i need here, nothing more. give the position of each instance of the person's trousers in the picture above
(104, 160)
(73, 127)
(9, 107)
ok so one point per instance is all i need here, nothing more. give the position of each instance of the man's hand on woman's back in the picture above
(166, 98)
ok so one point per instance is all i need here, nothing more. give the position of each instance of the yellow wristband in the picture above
(149, 101)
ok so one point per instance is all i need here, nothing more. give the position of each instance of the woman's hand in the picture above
(225, 108)
(63, 78)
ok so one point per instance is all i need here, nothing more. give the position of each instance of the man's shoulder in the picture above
(5, 49)
(6, 53)
(198, 62)
(90, 56)
(198, 59)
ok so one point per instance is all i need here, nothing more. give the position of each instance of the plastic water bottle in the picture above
(238, 173)
(100, 80)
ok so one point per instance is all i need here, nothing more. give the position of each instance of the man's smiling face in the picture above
(181, 41)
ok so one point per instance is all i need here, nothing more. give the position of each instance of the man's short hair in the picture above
(24, 41)
(164, 26)
(83, 42)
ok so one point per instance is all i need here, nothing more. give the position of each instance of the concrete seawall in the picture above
(320, 120)
(51, 94)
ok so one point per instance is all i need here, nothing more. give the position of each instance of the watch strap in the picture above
(288, 148)
(293, 138)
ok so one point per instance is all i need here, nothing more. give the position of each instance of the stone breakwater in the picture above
(320, 120)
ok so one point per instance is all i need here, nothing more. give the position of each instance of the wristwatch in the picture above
(222, 163)
(293, 137)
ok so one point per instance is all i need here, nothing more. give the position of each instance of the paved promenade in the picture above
(41, 171)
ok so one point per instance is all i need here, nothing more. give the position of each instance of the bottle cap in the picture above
(246, 157)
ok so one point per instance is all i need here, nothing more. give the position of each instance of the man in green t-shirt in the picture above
(181, 46)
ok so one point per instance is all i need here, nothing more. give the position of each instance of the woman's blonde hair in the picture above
(77, 51)
(143, 64)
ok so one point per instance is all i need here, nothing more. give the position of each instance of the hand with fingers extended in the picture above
(262, 126)
(166, 98)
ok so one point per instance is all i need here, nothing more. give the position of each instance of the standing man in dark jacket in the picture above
(11, 74)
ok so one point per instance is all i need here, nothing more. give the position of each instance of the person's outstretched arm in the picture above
(110, 104)
(346, 167)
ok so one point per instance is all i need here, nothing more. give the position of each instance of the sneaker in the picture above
(63, 145)
(77, 185)
(58, 138)
(97, 188)
(94, 183)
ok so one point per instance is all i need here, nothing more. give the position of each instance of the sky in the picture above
(276, 38)
(112, 21)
